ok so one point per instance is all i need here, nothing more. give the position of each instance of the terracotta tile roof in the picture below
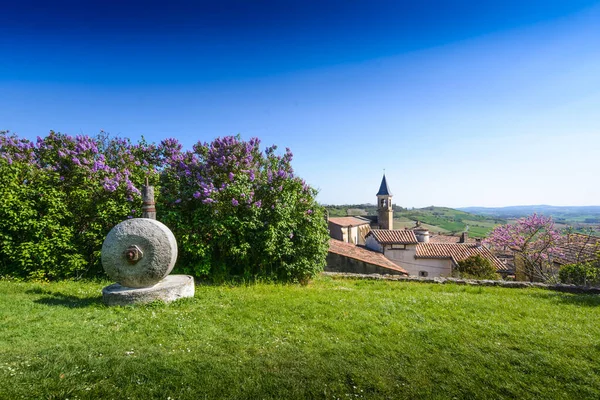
(577, 252)
(395, 236)
(577, 247)
(583, 239)
(363, 254)
(457, 252)
(349, 221)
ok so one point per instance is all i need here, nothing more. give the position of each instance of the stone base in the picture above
(171, 288)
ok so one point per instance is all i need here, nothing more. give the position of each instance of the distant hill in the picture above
(561, 214)
(479, 220)
(355, 209)
(436, 219)
(450, 221)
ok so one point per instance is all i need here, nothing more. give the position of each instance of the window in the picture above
(423, 274)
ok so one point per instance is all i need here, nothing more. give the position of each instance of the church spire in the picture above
(385, 211)
(384, 190)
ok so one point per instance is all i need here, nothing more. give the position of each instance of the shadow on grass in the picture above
(589, 300)
(65, 300)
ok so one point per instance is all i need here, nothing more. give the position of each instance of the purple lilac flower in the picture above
(234, 202)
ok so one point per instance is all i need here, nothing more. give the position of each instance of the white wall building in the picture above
(418, 257)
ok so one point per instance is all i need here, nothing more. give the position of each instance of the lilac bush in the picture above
(241, 212)
(60, 195)
(235, 210)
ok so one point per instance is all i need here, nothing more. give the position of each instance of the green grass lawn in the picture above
(335, 338)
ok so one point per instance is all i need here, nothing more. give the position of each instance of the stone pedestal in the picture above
(170, 288)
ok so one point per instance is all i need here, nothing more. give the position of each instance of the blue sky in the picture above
(463, 103)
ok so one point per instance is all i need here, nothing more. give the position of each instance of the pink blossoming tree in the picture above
(534, 242)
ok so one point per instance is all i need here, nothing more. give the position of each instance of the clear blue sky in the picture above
(464, 103)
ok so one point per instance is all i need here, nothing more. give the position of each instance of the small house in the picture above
(349, 229)
(412, 250)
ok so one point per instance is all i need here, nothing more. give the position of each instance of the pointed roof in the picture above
(384, 190)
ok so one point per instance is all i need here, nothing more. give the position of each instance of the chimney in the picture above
(422, 235)
(477, 242)
(464, 237)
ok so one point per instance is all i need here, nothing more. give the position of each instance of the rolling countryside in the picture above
(478, 221)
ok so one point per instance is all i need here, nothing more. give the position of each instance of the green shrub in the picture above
(59, 197)
(476, 267)
(584, 274)
(235, 210)
(240, 212)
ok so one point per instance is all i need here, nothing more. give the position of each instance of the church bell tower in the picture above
(385, 213)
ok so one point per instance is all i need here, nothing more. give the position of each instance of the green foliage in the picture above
(476, 267)
(583, 274)
(37, 240)
(60, 196)
(239, 212)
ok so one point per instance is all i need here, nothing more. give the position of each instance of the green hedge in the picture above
(236, 211)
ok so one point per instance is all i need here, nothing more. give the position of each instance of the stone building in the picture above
(346, 257)
(385, 212)
(421, 258)
(349, 229)
(414, 251)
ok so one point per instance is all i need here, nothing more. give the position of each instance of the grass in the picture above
(335, 338)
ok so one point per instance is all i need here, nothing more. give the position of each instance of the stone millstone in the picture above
(171, 288)
(139, 252)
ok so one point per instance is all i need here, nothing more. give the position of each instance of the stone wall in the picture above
(472, 282)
